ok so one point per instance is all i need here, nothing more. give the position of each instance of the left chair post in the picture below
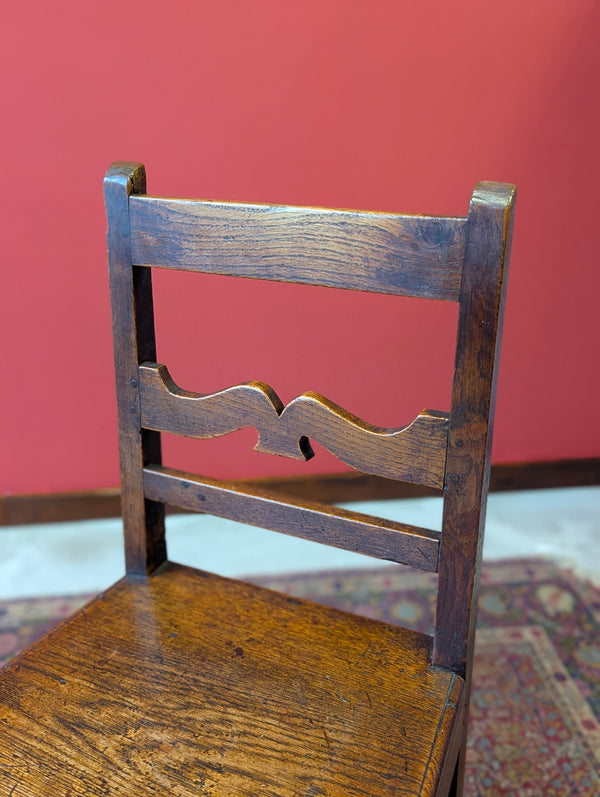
(134, 341)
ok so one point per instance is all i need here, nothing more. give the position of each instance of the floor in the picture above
(68, 558)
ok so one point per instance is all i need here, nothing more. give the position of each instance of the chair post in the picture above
(134, 342)
(482, 298)
(481, 313)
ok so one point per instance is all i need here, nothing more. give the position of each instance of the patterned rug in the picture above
(534, 726)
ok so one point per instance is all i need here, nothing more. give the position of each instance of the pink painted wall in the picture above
(385, 105)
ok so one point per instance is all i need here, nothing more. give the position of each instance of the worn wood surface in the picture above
(341, 528)
(415, 453)
(251, 693)
(379, 252)
(134, 341)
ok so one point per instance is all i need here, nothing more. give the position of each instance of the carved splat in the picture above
(414, 453)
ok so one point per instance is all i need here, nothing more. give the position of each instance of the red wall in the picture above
(386, 105)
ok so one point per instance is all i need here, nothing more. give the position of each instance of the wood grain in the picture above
(414, 453)
(341, 528)
(252, 693)
(378, 252)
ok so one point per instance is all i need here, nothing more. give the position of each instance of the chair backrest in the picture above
(456, 259)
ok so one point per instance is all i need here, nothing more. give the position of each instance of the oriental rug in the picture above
(534, 724)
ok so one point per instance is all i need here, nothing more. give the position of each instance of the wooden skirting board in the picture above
(328, 488)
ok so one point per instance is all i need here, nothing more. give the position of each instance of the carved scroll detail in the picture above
(414, 453)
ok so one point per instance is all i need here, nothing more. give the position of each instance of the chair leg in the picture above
(456, 788)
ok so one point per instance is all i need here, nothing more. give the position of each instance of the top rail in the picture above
(377, 252)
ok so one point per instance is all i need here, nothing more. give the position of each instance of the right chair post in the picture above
(481, 310)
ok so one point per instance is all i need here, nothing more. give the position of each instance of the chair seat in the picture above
(186, 683)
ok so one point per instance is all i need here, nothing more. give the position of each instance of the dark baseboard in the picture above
(59, 507)
(327, 488)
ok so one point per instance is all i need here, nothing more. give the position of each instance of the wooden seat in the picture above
(251, 692)
(176, 681)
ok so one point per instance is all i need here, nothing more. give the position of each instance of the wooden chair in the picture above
(179, 682)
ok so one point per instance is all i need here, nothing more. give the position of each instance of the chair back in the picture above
(458, 259)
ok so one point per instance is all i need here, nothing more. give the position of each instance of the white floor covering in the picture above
(69, 558)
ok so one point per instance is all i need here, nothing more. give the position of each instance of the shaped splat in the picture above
(414, 453)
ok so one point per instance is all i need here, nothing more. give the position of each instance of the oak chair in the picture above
(175, 681)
